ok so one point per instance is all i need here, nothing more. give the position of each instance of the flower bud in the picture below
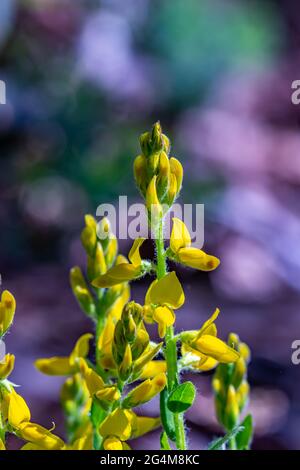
(81, 291)
(7, 311)
(163, 175)
(6, 367)
(96, 265)
(125, 367)
(239, 372)
(172, 192)
(231, 409)
(119, 343)
(140, 344)
(140, 172)
(89, 240)
(152, 202)
(177, 171)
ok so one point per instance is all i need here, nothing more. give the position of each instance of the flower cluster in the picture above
(124, 368)
(15, 415)
(231, 390)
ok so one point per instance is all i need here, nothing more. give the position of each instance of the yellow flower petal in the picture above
(81, 348)
(145, 424)
(120, 273)
(206, 327)
(112, 443)
(7, 310)
(177, 170)
(54, 366)
(105, 344)
(108, 393)
(166, 291)
(215, 348)
(6, 367)
(134, 254)
(197, 259)
(93, 381)
(165, 317)
(145, 391)
(118, 423)
(2, 446)
(83, 443)
(41, 436)
(18, 411)
(180, 237)
(153, 368)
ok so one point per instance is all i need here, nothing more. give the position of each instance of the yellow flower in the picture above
(162, 297)
(205, 346)
(65, 365)
(124, 271)
(104, 346)
(6, 367)
(183, 252)
(119, 424)
(122, 425)
(145, 391)
(93, 381)
(153, 368)
(18, 411)
(7, 311)
(143, 425)
(2, 446)
(112, 443)
(40, 436)
(152, 201)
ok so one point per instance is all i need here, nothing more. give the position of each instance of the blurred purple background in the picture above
(83, 80)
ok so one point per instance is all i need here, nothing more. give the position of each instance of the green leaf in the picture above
(164, 442)
(244, 438)
(221, 442)
(166, 416)
(182, 397)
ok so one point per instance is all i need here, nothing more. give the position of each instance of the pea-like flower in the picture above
(204, 349)
(163, 297)
(122, 425)
(182, 251)
(123, 271)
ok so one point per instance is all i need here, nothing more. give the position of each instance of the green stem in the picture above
(170, 341)
(232, 443)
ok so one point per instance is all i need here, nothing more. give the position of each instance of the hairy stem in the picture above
(170, 341)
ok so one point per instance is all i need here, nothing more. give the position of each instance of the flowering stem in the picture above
(170, 341)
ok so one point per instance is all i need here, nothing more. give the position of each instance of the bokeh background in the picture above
(84, 79)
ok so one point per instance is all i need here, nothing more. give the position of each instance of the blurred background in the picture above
(84, 79)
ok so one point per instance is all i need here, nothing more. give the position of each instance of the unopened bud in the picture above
(81, 291)
(125, 367)
(177, 171)
(231, 409)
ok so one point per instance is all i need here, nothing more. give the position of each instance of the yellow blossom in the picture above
(7, 311)
(205, 345)
(124, 271)
(40, 436)
(183, 252)
(65, 365)
(162, 297)
(145, 391)
(6, 367)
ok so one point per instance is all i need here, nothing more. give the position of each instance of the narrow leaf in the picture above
(218, 444)
(164, 442)
(244, 438)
